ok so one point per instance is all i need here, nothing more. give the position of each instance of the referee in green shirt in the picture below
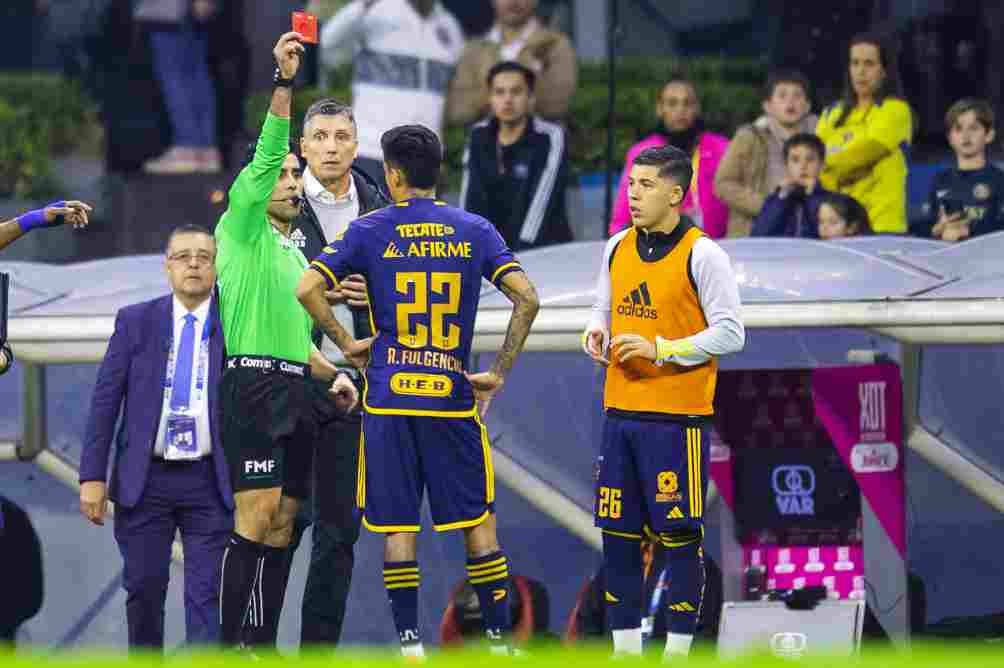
(267, 423)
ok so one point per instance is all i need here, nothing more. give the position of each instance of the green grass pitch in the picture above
(920, 655)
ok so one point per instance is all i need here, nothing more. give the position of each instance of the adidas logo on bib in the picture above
(638, 304)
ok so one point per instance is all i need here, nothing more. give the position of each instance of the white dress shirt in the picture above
(201, 409)
(334, 214)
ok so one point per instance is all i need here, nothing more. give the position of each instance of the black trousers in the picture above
(336, 527)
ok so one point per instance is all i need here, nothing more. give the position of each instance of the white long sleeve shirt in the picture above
(334, 214)
(717, 292)
(403, 63)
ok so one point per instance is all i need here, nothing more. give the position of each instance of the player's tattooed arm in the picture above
(310, 292)
(520, 291)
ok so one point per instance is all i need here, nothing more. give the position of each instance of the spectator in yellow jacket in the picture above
(867, 136)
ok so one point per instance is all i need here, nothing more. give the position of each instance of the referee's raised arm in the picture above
(250, 192)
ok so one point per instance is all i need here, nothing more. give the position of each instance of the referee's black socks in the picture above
(242, 561)
(267, 596)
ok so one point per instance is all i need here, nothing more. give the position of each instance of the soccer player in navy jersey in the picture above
(424, 262)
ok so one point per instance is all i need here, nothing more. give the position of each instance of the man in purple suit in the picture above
(162, 369)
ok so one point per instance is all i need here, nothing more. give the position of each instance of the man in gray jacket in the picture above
(753, 165)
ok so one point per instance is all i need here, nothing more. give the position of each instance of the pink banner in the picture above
(861, 409)
(721, 469)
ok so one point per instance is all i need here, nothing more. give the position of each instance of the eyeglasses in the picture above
(185, 257)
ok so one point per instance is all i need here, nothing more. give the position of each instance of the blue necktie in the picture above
(182, 386)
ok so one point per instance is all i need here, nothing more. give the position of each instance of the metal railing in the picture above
(44, 340)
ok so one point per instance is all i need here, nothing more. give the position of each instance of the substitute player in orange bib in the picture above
(667, 307)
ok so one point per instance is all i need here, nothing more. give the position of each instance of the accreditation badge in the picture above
(182, 443)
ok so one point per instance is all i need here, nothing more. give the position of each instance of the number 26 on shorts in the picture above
(610, 503)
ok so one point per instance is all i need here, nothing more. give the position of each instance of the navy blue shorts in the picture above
(400, 457)
(651, 475)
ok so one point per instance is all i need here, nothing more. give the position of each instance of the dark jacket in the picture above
(524, 197)
(309, 236)
(979, 192)
(796, 215)
(22, 560)
(131, 378)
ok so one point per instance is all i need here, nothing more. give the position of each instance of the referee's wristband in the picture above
(349, 373)
(280, 81)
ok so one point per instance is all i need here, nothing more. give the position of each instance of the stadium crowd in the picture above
(790, 172)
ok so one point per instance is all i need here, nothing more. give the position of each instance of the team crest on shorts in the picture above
(668, 488)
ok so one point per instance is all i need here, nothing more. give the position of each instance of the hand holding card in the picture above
(306, 25)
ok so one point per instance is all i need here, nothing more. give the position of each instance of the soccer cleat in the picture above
(413, 653)
(247, 652)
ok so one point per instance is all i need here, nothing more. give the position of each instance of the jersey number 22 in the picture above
(412, 333)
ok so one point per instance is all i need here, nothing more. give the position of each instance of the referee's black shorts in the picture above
(268, 424)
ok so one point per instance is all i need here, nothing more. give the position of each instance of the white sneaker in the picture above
(176, 160)
(210, 161)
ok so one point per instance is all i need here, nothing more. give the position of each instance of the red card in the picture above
(306, 25)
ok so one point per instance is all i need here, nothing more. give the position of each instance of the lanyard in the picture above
(200, 371)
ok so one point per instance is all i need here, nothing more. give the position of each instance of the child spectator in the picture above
(753, 165)
(793, 209)
(967, 200)
(842, 216)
